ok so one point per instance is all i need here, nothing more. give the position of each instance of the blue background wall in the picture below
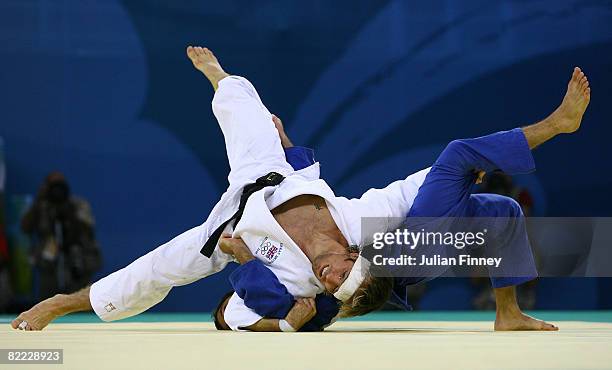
(103, 91)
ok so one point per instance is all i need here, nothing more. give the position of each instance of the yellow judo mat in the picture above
(368, 344)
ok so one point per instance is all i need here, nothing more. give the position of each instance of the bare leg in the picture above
(205, 61)
(565, 119)
(508, 315)
(39, 316)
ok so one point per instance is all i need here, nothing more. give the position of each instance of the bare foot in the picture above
(519, 321)
(568, 116)
(205, 61)
(39, 316)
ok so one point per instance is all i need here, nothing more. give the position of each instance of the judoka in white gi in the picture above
(310, 251)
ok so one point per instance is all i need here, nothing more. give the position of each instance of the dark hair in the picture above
(218, 323)
(370, 296)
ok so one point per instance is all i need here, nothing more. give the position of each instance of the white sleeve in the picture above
(237, 315)
(396, 199)
(389, 206)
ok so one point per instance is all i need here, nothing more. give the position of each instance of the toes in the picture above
(190, 51)
(198, 51)
(209, 52)
(577, 78)
(548, 327)
(577, 75)
(584, 85)
(18, 324)
(15, 323)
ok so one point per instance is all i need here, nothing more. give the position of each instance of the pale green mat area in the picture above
(589, 316)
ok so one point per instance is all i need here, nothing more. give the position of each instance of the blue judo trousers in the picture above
(447, 193)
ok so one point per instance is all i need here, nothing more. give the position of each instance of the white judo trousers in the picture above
(253, 149)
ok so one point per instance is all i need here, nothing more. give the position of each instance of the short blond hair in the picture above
(371, 295)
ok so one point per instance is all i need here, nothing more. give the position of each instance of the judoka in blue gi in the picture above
(445, 202)
(445, 199)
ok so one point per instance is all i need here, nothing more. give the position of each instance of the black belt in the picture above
(270, 179)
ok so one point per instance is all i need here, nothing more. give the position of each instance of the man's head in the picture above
(353, 280)
(219, 312)
(55, 189)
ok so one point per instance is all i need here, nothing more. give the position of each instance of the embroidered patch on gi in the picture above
(109, 307)
(269, 249)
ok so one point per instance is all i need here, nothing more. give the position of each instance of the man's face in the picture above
(333, 268)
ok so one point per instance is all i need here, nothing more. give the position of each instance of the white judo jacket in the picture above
(270, 244)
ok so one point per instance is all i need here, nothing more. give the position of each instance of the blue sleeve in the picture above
(261, 290)
(299, 157)
(263, 293)
(327, 308)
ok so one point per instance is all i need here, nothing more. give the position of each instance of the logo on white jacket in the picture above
(269, 249)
